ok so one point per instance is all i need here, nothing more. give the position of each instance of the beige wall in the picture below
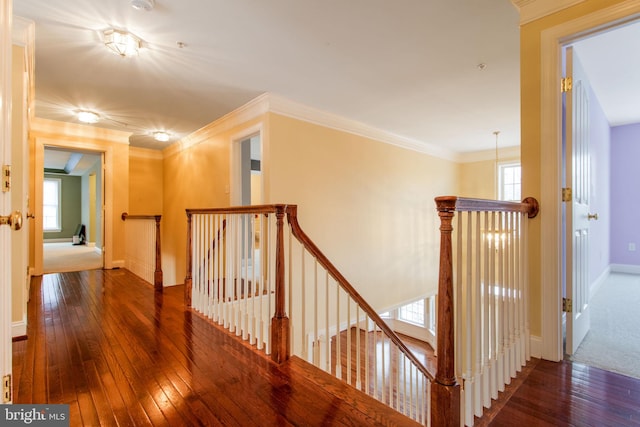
(196, 174)
(478, 178)
(145, 181)
(368, 205)
(531, 114)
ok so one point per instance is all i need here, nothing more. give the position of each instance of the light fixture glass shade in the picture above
(88, 116)
(161, 136)
(121, 42)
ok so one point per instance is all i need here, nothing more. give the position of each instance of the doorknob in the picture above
(14, 220)
(592, 216)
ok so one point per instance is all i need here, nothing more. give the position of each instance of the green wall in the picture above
(71, 206)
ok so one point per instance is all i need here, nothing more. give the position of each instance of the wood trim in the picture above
(464, 204)
(530, 10)
(125, 216)
(551, 41)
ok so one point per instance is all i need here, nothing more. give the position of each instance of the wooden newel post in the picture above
(157, 274)
(280, 321)
(187, 279)
(445, 391)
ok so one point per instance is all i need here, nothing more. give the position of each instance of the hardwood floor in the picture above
(568, 394)
(119, 354)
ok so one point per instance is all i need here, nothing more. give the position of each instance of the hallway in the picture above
(105, 343)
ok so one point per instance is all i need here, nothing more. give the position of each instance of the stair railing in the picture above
(483, 318)
(143, 249)
(271, 285)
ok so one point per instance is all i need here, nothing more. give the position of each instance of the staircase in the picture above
(270, 285)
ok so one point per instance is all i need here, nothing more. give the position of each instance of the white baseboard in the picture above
(597, 284)
(91, 244)
(61, 240)
(97, 249)
(535, 344)
(625, 268)
(19, 329)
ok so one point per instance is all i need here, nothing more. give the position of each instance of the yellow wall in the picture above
(478, 178)
(196, 174)
(531, 108)
(368, 205)
(145, 181)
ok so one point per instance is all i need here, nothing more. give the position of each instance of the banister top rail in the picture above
(344, 283)
(453, 203)
(126, 216)
(255, 209)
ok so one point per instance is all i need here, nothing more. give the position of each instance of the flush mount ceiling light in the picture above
(121, 42)
(145, 5)
(86, 116)
(161, 136)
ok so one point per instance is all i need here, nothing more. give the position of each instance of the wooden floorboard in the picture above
(120, 354)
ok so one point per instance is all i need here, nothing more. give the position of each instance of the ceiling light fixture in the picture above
(121, 42)
(146, 5)
(86, 116)
(161, 136)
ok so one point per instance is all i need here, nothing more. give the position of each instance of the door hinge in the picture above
(566, 84)
(6, 178)
(567, 305)
(6, 388)
(566, 194)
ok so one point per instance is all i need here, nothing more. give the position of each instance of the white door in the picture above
(577, 209)
(5, 196)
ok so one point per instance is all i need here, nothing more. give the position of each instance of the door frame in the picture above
(107, 195)
(235, 196)
(552, 41)
(6, 14)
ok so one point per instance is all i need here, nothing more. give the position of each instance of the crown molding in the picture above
(249, 111)
(286, 107)
(530, 10)
(272, 103)
(50, 128)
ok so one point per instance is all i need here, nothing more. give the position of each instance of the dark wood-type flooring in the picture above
(118, 353)
(103, 342)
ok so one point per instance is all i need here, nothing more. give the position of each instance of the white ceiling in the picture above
(410, 68)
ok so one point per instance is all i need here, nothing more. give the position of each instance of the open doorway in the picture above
(72, 210)
(613, 262)
(246, 171)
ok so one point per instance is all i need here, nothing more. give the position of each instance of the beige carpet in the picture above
(613, 342)
(63, 257)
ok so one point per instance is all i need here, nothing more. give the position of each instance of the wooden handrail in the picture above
(302, 237)
(157, 274)
(464, 204)
(445, 393)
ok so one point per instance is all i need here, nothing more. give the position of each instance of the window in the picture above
(509, 182)
(412, 313)
(51, 195)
